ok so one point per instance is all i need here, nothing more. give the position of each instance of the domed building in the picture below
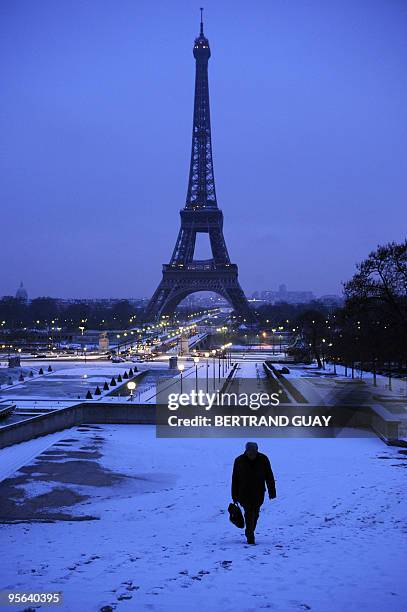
(21, 293)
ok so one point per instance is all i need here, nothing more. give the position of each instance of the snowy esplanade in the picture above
(111, 516)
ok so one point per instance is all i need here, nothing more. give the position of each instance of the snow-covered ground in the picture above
(18, 455)
(335, 538)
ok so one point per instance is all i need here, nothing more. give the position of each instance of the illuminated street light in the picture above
(131, 385)
(181, 369)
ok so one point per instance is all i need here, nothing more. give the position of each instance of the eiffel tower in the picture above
(184, 274)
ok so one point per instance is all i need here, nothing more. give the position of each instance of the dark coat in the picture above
(249, 479)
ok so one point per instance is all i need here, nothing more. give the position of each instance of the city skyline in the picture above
(22, 294)
(97, 123)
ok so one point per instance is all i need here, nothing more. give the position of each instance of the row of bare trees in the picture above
(371, 328)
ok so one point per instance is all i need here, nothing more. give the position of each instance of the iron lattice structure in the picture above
(185, 275)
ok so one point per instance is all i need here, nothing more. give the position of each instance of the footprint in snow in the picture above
(124, 596)
(93, 558)
(129, 586)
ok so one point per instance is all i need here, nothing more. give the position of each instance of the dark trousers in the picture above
(251, 514)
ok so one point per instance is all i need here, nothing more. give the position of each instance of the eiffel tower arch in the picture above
(184, 275)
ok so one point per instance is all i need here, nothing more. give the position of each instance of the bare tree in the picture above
(381, 279)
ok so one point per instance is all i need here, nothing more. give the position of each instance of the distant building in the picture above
(183, 345)
(103, 342)
(22, 294)
(290, 297)
(332, 301)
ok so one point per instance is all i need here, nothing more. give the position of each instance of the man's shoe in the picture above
(250, 539)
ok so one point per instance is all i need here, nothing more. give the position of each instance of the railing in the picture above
(199, 265)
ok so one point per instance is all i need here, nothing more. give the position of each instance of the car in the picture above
(117, 359)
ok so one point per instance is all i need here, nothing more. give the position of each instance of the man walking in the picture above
(251, 472)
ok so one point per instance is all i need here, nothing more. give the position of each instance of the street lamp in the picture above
(84, 352)
(131, 386)
(196, 361)
(213, 363)
(207, 372)
(181, 369)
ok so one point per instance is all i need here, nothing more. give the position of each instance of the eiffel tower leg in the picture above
(168, 295)
(236, 297)
(157, 302)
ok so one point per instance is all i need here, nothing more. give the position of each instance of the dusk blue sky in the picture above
(308, 103)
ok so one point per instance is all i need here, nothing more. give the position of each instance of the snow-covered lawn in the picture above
(334, 540)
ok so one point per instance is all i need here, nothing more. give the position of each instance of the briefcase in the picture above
(235, 515)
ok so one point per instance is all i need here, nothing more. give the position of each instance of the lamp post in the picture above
(196, 361)
(230, 354)
(213, 364)
(131, 385)
(207, 372)
(181, 369)
(84, 352)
